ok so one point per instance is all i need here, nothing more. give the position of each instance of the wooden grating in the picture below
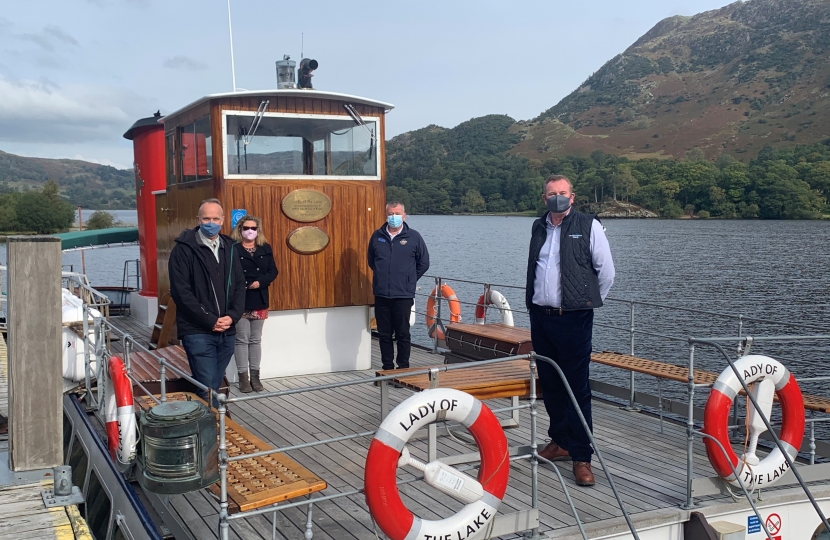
(255, 482)
(505, 379)
(497, 332)
(652, 367)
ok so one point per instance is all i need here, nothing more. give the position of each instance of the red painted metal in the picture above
(148, 148)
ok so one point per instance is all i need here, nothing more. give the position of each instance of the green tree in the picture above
(100, 220)
(43, 212)
(784, 195)
(474, 202)
(396, 193)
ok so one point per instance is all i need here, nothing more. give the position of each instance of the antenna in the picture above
(302, 44)
(230, 35)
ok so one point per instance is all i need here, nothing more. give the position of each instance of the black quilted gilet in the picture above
(580, 285)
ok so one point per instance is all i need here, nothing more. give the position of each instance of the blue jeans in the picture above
(565, 339)
(208, 356)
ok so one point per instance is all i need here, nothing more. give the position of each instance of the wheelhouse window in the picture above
(275, 145)
(170, 143)
(195, 150)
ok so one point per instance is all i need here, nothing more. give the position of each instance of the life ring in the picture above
(120, 416)
(455, 310)
(388, 450)
(764, 371)
(497, 299)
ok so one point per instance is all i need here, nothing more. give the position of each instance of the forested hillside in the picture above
(468, 169)
(87, 184)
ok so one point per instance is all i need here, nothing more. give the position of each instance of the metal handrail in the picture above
(103, 326)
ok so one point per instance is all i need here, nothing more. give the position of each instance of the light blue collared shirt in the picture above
(547, 287)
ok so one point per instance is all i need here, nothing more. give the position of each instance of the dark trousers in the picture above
(392, 316)
(565, 339)
(208, 356)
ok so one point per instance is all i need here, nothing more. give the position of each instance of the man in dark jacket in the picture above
(398, 257)
(208, 286)
(569, 274)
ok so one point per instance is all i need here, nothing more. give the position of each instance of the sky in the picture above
(76, 74)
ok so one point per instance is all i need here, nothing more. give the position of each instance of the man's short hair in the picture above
(212, 200)
(390, 204)
(556, 178)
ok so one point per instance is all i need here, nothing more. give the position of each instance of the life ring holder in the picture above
(388, 450)
(497, 299)
(433, 326)
(754, 368)
(122, 430)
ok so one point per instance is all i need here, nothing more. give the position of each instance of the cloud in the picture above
(43, 41)
(102, 161)
(60, 35)
(5, 23)
(185, 63)
(42, 112)
(49, 37)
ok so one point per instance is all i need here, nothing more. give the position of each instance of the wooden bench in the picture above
(256, 482)
(514, 338)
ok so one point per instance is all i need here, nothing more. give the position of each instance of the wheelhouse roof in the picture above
(289, 92)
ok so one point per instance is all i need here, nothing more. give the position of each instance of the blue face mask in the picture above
(210, 229)
(558, 204)
(394, 220)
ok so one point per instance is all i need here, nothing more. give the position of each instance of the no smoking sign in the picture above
(773, 524)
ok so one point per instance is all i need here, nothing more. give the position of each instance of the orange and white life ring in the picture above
(770, 377)
(388, 450)
(497, 299)
(120, 415)
(455, 310)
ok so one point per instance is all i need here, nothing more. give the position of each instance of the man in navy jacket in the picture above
(398, 257)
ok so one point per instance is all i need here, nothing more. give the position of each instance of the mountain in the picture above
(732, 80)
(83, 183)
(723, 114)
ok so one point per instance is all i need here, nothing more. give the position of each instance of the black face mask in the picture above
(558, 204)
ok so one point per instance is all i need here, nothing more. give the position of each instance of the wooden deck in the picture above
(648, 467)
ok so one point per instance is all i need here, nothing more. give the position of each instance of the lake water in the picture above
(773, 270)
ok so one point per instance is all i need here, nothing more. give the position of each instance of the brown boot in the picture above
(554, 452)
(255, 384)
(582, 473)
(244, 383)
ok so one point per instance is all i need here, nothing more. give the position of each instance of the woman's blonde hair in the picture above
(237, 231)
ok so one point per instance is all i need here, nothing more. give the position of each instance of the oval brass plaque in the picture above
(306, 205)
(308, 240)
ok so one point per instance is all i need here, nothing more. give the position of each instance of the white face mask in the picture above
(249, 235)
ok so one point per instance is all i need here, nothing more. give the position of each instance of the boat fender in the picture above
(387, 451)
(455, 310)
(73, 361)
(769, 376)
(122, 430)
(497, 299)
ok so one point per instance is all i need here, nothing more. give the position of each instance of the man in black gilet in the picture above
(569, 274)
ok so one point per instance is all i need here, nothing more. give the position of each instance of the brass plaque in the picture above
(308, 240)
(306, 205)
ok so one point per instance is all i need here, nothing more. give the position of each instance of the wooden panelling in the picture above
(337, 276)
(182, 203)
(163, 245)
(187, 116)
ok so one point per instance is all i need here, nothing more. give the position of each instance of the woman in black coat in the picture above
(260, 270)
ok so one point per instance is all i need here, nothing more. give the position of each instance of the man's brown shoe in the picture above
(554, 452)
(582, 473)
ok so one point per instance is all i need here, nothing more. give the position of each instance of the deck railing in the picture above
(741, 341)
